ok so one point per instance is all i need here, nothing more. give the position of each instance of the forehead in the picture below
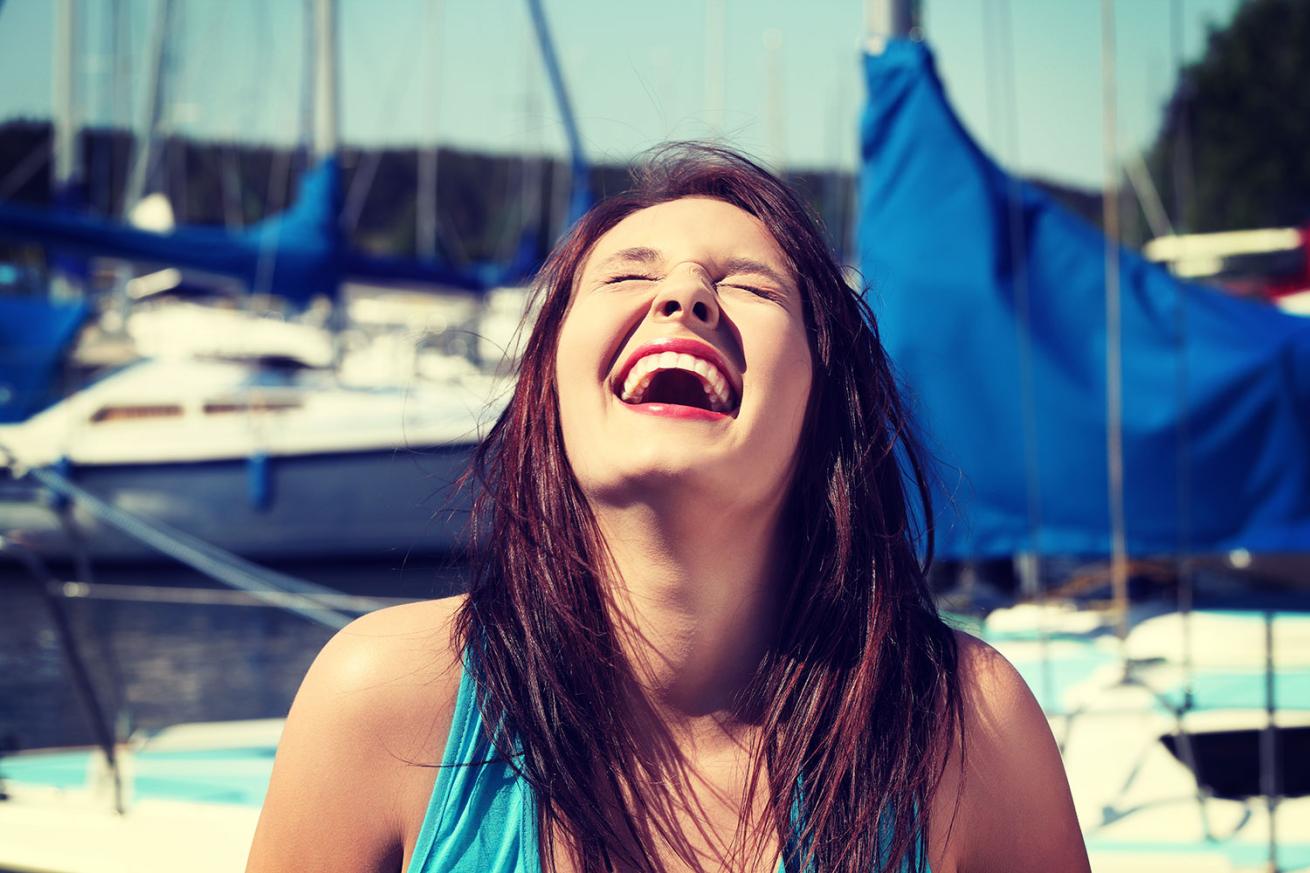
(692, 228)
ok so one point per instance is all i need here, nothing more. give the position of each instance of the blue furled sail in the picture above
(1216, 390)
(34, 334)
(297, 254)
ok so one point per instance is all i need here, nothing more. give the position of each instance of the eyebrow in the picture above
(730, 267)
(639, 254)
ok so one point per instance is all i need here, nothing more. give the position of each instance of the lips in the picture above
(677, 372)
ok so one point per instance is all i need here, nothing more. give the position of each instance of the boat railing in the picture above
(1177, 705)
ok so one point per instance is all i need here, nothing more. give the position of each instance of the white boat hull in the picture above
(354, 504)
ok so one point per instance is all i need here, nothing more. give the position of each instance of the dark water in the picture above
(155, 662)
(166, 646)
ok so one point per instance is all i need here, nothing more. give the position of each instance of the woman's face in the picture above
(683, 366)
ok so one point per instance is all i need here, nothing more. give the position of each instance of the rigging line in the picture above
(102, 159)
(22, 172)
(1181, 153)
(279, 178)
(145, 156)
(425, 211)
(176, 164)
(83, 685)
(230, 569)
(521, 177)
(1029, 563)
(79, 590)
(228, 168)
(113, 673)
(309, 52)
(1183, 471)
(361, 183)
(577, 159)
(1113, 335)
(120, 95)
(1148, 198)
(369, 160)
(1269, 780)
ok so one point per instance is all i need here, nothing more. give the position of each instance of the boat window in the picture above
(136, 412)
(227, 406)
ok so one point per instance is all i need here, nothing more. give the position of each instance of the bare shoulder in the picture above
(401, 644)
(353, 767)
(1014, 811)
(990, 682)
(387, 675)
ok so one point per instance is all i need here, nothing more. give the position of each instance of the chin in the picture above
(660, 475)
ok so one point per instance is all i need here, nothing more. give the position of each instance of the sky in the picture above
(779, 79)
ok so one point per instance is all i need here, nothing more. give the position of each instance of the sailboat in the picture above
(1085, 402)
(303, 446)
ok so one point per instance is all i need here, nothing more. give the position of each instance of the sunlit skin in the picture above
(690, 505)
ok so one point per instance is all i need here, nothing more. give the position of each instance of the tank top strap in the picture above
(480, 818)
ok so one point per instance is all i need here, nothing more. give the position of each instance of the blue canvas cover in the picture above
(34, 332)
(1216, 390)
(297, 254)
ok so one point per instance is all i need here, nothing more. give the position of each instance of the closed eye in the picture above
(629, 277)
(766, 293)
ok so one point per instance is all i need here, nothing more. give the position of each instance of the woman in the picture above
(697, 626)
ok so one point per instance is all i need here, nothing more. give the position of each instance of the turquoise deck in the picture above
(230, 776)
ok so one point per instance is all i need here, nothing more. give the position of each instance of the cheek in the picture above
(579, 373)
(572, 400)
(793, 377)
(782, 366)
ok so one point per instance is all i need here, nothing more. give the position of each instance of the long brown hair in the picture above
(857, 698)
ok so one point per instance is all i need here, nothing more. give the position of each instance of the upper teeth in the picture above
(711, 379)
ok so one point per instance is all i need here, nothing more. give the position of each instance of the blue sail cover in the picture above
(1216, 390)
(297, 254)
(34, 333)
(292, 254)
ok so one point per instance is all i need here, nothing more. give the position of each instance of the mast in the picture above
(67, 167)
(580, 196)
(426, 207)
(325, 79)
(885, 20)
(143, 155)
(154, 104)
(1113, 332)
(308, 60)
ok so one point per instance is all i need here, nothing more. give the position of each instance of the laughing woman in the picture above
(698, 635)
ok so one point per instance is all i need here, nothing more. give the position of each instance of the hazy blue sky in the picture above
(637, 72)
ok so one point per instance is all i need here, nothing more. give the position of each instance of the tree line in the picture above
(484, 203)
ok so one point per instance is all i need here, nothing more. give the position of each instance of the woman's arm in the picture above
(348, 791)
(1016, 813)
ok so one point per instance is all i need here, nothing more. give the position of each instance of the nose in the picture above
(687, 295)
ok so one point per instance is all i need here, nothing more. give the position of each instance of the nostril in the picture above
(700, 310)
(670, 307)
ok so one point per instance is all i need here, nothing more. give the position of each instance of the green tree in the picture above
(1234, 148)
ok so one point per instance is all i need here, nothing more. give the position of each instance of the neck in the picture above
(695, 601)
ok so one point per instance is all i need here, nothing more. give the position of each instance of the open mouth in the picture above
(677, 379)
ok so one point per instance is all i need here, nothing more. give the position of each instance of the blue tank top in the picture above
(481, 817)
